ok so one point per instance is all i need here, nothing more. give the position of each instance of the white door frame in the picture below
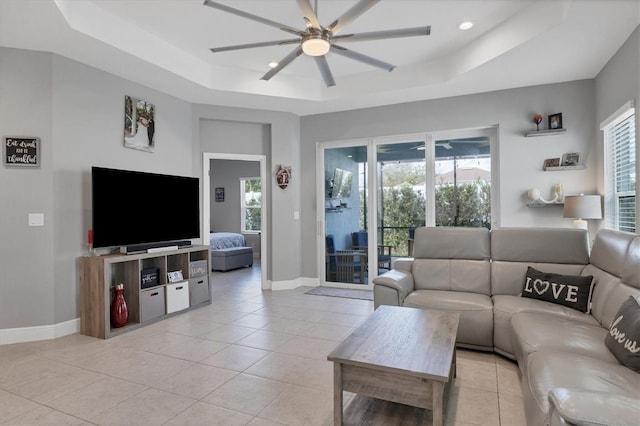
(206, 201)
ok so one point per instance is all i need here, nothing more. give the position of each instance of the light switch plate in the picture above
(296, 215)
(36, 219)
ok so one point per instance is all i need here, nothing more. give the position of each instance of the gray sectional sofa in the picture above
(569, 375)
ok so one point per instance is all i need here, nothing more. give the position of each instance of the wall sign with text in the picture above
(21, 151)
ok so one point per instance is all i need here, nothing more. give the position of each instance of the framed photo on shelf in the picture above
(174, 276)
(571, 159)
(555, 121)
(551, 162)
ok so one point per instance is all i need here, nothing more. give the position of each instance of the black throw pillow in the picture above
(623, 339)
(573, 291)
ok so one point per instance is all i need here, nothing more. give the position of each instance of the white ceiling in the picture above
(164, 44)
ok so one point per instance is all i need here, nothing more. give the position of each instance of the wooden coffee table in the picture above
(403, 355)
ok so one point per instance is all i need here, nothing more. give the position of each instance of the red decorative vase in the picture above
(119, 310)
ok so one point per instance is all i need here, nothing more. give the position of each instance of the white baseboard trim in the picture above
(41, 332)
(291, 284)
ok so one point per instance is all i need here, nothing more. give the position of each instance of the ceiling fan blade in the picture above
(309, 15)
(283, 63)
(361, 58)
(323, 66)
(358, 9)
(378, 35)
(256, 18)
(252, 45)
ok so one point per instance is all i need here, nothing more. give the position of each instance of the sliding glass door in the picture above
(345, 199)
(374, 193)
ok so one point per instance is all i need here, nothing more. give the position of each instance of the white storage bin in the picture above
(177, 296)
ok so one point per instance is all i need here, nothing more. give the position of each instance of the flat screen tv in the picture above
(130, 207)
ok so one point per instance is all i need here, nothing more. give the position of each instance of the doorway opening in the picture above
(234, 206)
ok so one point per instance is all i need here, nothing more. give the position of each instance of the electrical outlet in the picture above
(36, 219)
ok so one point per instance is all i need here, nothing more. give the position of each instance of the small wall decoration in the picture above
(139, 124)
(283, 176)
(219, 195)
(551, 162)
(537, 118)
(21, 151)
(571, 159)
(555, 121)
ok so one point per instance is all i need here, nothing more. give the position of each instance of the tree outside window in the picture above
(251, 204)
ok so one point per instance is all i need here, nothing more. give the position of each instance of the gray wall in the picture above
(88, 108)
(520, 158)
(617, 83)
(26, 253)
(226, 216)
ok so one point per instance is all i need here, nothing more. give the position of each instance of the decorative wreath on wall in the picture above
(283, 176)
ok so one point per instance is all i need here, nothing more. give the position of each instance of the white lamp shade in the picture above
(583, 207)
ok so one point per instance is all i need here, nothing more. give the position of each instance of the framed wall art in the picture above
(555, 121)
(21, 151)
(139, 124)
(219, 195)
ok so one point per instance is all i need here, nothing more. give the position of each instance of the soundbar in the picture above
(154, 247)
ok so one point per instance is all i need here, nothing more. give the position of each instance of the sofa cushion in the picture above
(542, 245)
(456, 275)
(476, 314)
(589, 408)
(623, 338)
(451, 243)
(535, 332)
(573, 291)
(609, 251)
(547, 370)
(505, 306)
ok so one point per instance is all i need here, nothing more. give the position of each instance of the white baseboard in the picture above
(291, 284)
(41, 332)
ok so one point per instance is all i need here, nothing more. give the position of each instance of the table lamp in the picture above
(580, 207)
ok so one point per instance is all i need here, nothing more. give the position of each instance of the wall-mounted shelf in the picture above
(549, 132)
(558, 168)
(538, 205)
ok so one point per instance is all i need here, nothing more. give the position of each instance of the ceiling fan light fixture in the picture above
(316, 45)
(273, 64)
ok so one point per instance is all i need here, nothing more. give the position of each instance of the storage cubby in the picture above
(159, 262)
(178, 262)
(99, 274)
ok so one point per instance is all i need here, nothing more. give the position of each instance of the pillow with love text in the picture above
(573, 291)
(623, 339)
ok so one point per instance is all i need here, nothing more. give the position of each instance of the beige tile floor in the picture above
(250, 358)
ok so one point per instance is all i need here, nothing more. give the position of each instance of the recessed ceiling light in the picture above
(273, 64)
(465, 25)
(349, 156)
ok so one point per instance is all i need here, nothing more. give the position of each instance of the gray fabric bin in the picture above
(151, 304)
(198, 290)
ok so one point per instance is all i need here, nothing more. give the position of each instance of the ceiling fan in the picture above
(317, 41)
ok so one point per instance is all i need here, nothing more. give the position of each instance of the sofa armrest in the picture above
(392, 287)
(590, 408)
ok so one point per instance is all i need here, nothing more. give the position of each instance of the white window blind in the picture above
(620, 171)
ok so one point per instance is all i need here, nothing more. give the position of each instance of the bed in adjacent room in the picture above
(229, 251)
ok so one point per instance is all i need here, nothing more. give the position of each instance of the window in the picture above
(251, 204)
(620, 169)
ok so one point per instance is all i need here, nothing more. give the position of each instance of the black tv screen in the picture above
(138, 208)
